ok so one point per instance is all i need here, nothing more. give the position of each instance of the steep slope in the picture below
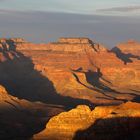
(103, 123)
(20, 119)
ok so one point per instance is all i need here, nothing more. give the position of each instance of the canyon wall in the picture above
(79, 68)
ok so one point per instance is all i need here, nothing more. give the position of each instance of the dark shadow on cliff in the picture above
(94, 79)
(136, 91)
(126, 58)
(19, 125)
(20, 119)
(99, 90)
(116, 128)
(137, 98)
(20, 78)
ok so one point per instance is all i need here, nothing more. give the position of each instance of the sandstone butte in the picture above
(43, 80)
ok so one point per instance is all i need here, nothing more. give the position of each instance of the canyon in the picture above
(69, 89)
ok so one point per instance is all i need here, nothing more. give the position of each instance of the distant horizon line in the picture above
(80, 37)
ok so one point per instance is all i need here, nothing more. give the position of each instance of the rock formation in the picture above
(77, 68)
(43, 80)
(63, 45)
(130, 47)
(102, 123)
(3, 94)
(81, 68)
(128, 51)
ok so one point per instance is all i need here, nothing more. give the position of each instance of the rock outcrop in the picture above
(102, 123)
(75, 40)
(3, 94)
(63, 45)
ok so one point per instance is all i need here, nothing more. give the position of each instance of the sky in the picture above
(106, 21)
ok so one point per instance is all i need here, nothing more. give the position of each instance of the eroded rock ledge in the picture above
(63, 44)
(103, 123)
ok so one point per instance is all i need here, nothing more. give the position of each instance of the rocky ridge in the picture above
(102, 123)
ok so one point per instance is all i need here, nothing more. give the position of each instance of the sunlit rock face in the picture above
(129, 53)
(3, 94)
(102, 123)
(63, 45)
(79, 67)
(74, 40)
(130, 47)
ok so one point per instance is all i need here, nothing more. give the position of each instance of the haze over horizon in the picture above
(106, 21)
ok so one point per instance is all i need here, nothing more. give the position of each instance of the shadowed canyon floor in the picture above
(43, 80)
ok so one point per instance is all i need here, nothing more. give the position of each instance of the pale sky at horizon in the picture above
(73, 6)
(106, 21)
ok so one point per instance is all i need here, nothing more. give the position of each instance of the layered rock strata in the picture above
(79, 68)
(102, 123)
